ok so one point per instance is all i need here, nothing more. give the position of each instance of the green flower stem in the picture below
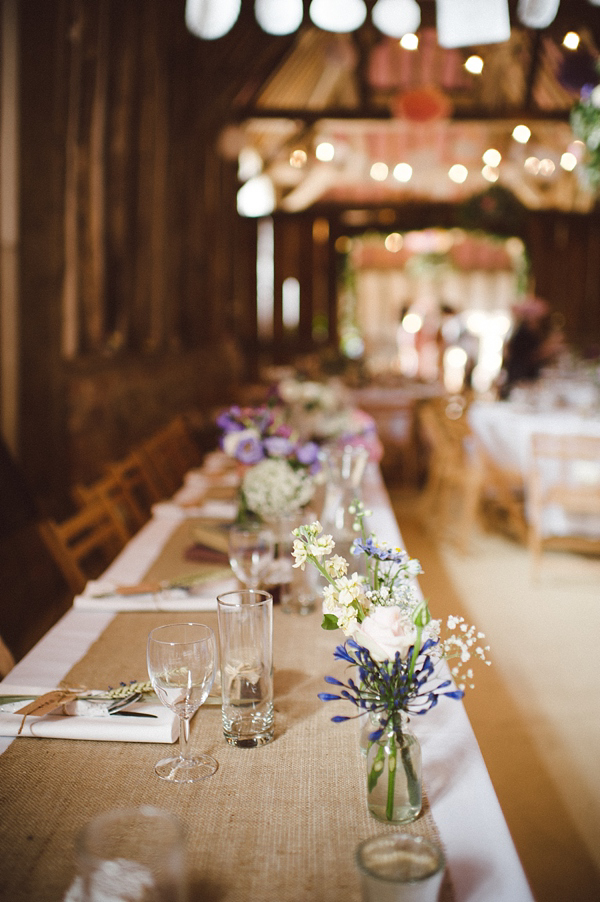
(415, 654)
(411, 778)
(320, 568)
(376, 767)
(391, 786)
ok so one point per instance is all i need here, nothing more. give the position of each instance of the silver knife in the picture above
(131, 714)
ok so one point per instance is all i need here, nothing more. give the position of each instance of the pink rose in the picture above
(386, 631)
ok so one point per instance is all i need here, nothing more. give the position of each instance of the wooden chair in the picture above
(85, 544)
(185, 446)
(170, 453)
(454, 483)
(110, 491)
(563, 495)
(138, 483)
(7, 661)
(503, 499)
(396, 429)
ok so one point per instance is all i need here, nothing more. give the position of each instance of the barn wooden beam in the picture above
(309, 117)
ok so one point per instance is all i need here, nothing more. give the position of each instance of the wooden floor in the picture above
(536, 710)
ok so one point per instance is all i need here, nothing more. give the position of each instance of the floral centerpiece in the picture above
(278, 467)
(585, 122)
(395, 648)
(322, 412)
(318, 410)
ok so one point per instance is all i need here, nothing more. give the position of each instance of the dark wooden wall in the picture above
(128, 220)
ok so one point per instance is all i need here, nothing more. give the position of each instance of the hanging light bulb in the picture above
(257, 197)
(537, 13)
(395, 18)
(211, 19)
(338, 15)
(276, 17)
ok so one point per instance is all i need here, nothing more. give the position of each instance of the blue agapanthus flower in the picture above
(389, 687)
(382, 552)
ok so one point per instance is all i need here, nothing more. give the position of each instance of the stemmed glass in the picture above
(182, 660)
(251, 552)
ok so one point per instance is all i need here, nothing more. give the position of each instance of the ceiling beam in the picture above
(309, 117)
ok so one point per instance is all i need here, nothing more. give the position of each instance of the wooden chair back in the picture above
(138, 483)
(170, 453)
(85, 544)
(7, 661)
(564, 472)
(454, 474)
(110, 492)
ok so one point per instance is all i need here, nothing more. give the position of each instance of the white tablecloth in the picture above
(505, 429)
(482, 859)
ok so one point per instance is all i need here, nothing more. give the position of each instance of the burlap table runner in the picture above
(278, 823)
(171, 564)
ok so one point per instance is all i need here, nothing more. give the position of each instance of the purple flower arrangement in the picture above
(253, 434)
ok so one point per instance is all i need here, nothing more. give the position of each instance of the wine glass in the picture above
(251, 552)
(182, 660)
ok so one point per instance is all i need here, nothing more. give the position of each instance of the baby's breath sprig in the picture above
(462, 644)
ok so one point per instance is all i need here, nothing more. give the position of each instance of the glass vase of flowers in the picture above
(396, 655)
(393, 761)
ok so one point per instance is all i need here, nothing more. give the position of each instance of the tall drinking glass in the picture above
(182, 661)
(246, 646)
(251, 550)
(131, 855)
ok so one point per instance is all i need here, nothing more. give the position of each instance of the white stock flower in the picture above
(299, 553)
(595, 97)
(348, 621)
(336, 566)
(349, 589)
(321, 546)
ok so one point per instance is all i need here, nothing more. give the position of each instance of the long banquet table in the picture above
(276, 823)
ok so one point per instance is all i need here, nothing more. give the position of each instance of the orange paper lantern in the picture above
(422, 105)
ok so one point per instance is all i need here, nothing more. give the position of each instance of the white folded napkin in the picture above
(215, 510)
(102, 595)
(114, 727)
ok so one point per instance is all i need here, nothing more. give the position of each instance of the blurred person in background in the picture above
(536, 341)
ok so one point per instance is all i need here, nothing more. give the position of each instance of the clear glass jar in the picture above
(343, 472)
(295, 589)
(393, 765)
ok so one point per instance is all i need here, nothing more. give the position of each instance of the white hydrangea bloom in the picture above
(272, 488)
